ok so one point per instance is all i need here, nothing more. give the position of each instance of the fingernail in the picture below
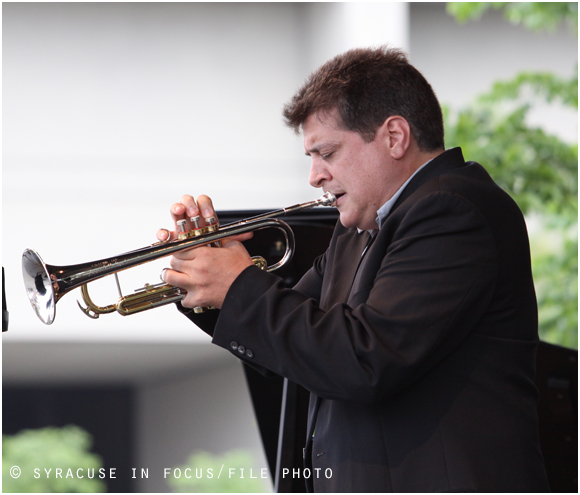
(192, 212)
(207, 213)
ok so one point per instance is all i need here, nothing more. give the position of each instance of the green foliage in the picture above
(555, 268)
(233, 472)
(543, 85)
(50, 448)
(536, 16)
(538, 170)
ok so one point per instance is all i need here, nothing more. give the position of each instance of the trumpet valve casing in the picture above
(190, 234)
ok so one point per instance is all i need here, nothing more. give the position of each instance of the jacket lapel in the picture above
(344, 268)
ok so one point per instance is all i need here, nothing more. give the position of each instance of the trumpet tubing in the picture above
(47, 284)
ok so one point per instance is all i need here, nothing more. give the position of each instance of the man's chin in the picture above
(350, 222)
(347, 221)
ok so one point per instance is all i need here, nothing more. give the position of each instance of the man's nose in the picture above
(318, 174)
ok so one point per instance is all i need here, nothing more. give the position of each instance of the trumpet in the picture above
(47, 284)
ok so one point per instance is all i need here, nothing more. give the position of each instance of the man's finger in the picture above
(191, 208)
(174, 277)
(165, 235)
(238, 238)
(205, 207)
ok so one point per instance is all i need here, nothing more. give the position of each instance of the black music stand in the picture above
(4, 309)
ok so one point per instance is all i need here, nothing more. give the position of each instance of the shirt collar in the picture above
(384, 210)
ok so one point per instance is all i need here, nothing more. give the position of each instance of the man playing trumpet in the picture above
(416, 331)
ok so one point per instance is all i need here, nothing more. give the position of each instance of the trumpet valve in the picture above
(195, 221)
(211, 224)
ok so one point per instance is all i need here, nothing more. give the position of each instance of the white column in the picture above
(336, 27)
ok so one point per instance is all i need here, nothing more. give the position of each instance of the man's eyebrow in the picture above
(316, 149)
(312, 150)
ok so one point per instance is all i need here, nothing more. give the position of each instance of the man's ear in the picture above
(396, 133)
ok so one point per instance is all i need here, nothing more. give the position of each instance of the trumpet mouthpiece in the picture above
(327, 199)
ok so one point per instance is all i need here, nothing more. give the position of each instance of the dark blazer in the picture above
(420, 361)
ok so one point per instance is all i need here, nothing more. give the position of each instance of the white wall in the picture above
(112, 111)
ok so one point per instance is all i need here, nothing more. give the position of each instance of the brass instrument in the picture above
(46, 284)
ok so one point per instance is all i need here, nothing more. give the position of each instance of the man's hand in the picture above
(186, 210)
(206, 273)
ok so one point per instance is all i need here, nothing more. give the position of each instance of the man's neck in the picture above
(385, 209)
(418, 158)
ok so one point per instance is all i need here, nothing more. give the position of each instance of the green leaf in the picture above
(535, 16)
(39, 453)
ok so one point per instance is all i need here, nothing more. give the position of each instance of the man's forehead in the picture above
(325, 117)
(320, 126)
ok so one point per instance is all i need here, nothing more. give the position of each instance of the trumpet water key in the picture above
(47, 284)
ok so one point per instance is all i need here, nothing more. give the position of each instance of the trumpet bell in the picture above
(38, 284)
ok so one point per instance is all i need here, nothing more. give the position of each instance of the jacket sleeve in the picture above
(206, 320)
(434, 282)
(310, 284)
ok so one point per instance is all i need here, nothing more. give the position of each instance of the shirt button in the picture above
(241, 349)
(234, 345)
(249, 353)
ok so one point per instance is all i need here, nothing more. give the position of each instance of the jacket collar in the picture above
(441, 164)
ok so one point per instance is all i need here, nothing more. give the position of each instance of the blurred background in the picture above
(112, 111)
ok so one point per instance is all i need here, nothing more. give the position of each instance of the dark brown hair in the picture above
(367, 86)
